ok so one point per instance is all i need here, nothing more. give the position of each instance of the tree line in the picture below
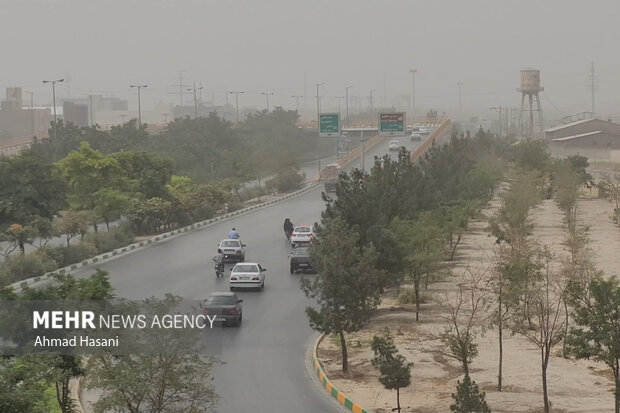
(399, 226)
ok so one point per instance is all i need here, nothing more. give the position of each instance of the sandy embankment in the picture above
(574, 386)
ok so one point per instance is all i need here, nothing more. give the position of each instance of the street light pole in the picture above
(318, 124)
(139, 104)
(195, 99)
(237, 102)
(53, 82)
(460, 84)
(297, 97)
(347, 102)
(413, 72)
(31, 113)
(267, 94)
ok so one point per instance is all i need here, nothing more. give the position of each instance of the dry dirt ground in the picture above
(574, 386)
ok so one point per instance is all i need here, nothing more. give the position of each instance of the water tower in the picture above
(530, 87)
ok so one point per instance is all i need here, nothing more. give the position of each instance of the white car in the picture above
(231, 249)
(247, 275)
(302, 235)
(416, 136)
(424, 131)
(394, 145)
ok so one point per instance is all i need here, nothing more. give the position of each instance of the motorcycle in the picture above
(219, 270)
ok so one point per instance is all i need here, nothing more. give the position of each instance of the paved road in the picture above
(264, 370)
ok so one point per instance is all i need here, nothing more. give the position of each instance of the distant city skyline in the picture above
(287, 47)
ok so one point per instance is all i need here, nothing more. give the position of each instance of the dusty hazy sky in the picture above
(103, 46)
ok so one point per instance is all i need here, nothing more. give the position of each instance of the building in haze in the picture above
(19, 122)
(596, 139)
(75, 113)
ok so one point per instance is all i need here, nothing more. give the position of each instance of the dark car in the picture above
(225, 306)
(300, 259)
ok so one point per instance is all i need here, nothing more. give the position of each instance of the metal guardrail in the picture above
(415, 155)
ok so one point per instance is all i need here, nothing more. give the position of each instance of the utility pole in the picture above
(90, 107)
(306, 91)
(297, 98)
(362, 144)
(339, 100)
(122, 116)
(384, 88)
(499, 109)
(53, 82)
(237, 102)
(267, 95)
(165, 116)
(31, 113)
(139, 104)
(347, 102)
(318, 124)
(372, 118)
(460, 85)
(195, 100)
(592, 78)
(413, 72)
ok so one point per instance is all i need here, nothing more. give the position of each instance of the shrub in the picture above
(289, 179)
(108, 241)
(407, 296)
(72, 254)
(21, 267)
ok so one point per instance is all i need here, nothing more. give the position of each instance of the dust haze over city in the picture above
(287, 47)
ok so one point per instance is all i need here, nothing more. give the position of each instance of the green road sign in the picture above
(392, 124)
(329, 124)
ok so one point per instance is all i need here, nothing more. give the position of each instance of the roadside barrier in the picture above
(415, 155)
(328, 385)
(132, 247)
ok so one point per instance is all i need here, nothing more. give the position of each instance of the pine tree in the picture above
(468, 398)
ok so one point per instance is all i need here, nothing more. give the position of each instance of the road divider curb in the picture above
(132, 247)
(329, 386)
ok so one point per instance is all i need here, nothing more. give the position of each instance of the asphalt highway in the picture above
(264, 368)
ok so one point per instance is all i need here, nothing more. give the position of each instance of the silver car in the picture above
(247, 275)
(231, 249)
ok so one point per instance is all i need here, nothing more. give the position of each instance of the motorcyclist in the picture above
(233, 234)
(219, 264)
(288, 227)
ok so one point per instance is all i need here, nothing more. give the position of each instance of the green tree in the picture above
(421, 245)
(88, 172)
(567, 182)
(23, 386)
(394, 369)
(347, 289)
(111, 203)
(468, 398)
(542, 323)
(30, 190)
(596, 335)
(148, 174)
(73, 223)
(464, 310)
(176, 380)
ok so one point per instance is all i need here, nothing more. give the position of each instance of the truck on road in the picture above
(329, 176)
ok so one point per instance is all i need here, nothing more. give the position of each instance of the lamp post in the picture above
(346, 89)
(413, 72)
(31, 112)
(195, 99)
(267, 94)
(237, 102)
(139, 104)
(318, 123)
(53, 82)
(297, 97)
(459, 84)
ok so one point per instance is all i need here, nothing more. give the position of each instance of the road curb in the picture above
(18, 286)
(329, 386)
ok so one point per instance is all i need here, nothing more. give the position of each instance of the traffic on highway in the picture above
(266, 353)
